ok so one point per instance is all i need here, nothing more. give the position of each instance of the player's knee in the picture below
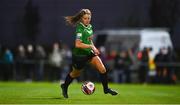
(75, 74)
(103, 71)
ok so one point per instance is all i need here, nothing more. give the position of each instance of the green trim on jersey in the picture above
(83, 33)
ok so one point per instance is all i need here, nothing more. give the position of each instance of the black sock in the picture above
(104, 80)
(68, 80)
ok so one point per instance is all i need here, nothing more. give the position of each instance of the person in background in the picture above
(55, 60)
(40, 56)
(144, 65)
(8, 59)
(30, 63)
(20, 58)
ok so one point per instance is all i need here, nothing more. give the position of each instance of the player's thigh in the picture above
(97, 63)
(75, 73)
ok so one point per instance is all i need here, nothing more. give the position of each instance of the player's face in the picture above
(86, 19)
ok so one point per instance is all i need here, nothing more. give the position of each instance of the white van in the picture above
(137, 39)
(156, 39)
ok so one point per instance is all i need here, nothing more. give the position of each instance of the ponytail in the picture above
(73, 20)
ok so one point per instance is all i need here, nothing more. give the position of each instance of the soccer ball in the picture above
(88, 88)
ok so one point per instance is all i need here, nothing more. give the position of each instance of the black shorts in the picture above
(80, 61)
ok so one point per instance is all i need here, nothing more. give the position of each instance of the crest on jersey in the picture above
(79, 35)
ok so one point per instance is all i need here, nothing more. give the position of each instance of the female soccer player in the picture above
(84, 51)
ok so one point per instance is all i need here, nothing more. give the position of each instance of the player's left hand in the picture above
(95, 50)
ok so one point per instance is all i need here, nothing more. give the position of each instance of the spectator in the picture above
(40, 56)
(172, 78)
(66, 62)
(20, 59)
(144, 65)
(164, 71)
(122, 65)
(7, 64)
(30, 67)
(55, 60)
(110, 59)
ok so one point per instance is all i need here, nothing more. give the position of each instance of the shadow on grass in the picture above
(52, 98)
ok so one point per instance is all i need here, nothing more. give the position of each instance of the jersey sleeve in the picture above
(79, 31)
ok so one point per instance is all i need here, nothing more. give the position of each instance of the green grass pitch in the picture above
(49, 93)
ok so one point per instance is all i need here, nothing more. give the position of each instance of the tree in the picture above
(31, 20)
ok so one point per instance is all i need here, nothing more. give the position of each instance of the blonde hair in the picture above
(73, 20)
